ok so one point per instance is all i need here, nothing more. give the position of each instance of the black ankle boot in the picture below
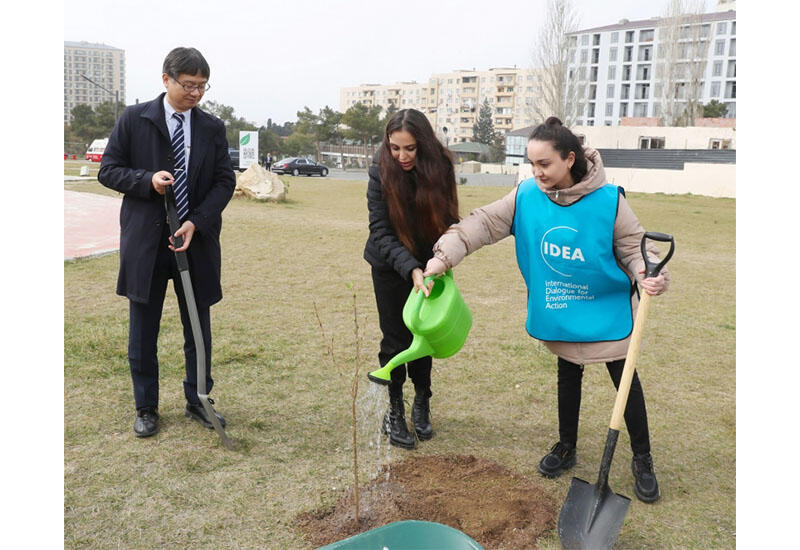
(560, 458)
(394, 423)
(420, 414)
(645, 486)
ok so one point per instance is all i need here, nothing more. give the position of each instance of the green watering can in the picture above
(440, 324)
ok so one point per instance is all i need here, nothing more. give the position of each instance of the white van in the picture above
(95, 151)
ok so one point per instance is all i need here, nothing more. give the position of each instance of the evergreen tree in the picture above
(483, 129)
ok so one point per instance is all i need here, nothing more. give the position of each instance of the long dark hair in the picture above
(422, 203)
(563, 141)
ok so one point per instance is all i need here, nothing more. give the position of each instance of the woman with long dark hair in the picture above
(412, 200)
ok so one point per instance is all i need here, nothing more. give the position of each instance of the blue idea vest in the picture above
(576, 290)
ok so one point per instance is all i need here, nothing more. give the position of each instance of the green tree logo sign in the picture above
(245, 139)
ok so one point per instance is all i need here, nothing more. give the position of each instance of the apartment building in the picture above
(103, 64)
(452, 101)
(653, 68)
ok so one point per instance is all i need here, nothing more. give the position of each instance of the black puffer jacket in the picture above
(384, 250)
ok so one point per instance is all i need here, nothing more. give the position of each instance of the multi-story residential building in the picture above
(103, 64)
(452, 101)
(654, 68)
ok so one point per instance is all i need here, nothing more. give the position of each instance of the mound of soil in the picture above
(494, 506)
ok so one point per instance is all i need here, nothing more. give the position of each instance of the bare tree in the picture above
(683, 44)
(555, 93)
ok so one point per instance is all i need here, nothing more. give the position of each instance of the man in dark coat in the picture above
(146, 149)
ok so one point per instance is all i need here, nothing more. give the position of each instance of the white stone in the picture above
(256, 183)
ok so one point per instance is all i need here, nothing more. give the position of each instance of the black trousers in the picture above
(570, 376)
(144, 325)
(391, 293)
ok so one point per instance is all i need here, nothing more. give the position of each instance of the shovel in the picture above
(191, 305)
(592, 515)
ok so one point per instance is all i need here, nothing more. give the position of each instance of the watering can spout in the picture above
(439, 323)
(419, 348)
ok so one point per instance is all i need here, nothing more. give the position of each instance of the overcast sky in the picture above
(269, 59)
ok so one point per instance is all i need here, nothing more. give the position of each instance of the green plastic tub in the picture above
(408, 535)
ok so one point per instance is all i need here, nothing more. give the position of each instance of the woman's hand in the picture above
(435, 267)
(654, 285)
(419, 282)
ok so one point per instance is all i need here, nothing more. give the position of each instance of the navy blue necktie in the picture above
(180, 187)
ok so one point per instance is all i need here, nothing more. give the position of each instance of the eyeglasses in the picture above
(189, 88)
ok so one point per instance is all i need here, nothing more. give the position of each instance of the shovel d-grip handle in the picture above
(651, 269)
(174, 225)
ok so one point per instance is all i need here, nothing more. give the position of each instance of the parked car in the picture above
(234, 153)
(296, 166)
(95, 151)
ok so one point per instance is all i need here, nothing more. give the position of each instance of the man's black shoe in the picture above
(198, 413)
(146, 423)
(645, 486)
(560, 458)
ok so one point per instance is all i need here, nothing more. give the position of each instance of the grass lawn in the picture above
(288, 409)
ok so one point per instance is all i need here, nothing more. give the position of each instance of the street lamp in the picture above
(115, 92)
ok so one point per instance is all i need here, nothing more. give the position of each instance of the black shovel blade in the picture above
(591, 517)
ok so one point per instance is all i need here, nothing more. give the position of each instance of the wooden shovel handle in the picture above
(630, 363)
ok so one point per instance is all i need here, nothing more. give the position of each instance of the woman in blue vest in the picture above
(578, 246)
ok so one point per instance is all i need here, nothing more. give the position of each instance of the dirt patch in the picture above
(491, 504)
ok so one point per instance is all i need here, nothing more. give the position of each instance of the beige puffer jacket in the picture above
(492, 223)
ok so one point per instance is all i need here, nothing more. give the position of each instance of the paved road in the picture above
(493, 180)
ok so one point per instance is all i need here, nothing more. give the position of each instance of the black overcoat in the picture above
(138, 147)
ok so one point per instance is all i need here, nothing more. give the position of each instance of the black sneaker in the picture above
(146, 423)
(646, 486)
(560, 458)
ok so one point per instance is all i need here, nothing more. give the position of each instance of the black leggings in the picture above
(391, 293)
(570, 376)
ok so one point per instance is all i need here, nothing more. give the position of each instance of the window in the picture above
(612, 72)
(585, 55)
(640, 109)
(645, 53)
(733, 28)
(719, 143)
(730, 90)
(626, 72)
(584, 40)
(614, 37)
(717, 69)
(646, 35)
(591, 110)
(609, 109)
(705, 29)
(719, 47)
(626, 90)
(732, 48)
(651, 143)
(596, 39)
(593, 74)
(642, 91)
(610, 91)
(596, 55)
(623, 110)
(612, 54)
(731, 69)
(643, 72)
(592, 92)
(715, 87)
(722, 27)
(628, 36)
(628, 53)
